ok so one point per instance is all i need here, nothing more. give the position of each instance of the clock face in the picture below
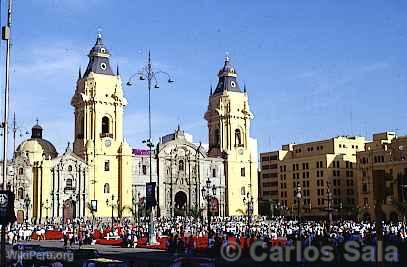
(108, 142)
(241, 151)
(233, 84)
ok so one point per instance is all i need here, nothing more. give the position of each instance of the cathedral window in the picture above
(20, 171)
(105, 125)
(107, 166)
(106, 188)
(181, 165)
(242, 172)
(238, 137)
(70, 168)
(243, 191)
(20, 193)
(213, 172)
(144, 170)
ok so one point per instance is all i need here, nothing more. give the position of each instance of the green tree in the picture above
(196, 212)
(91, 210)
(243, 212)
(358, 213)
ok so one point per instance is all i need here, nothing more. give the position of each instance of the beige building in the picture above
(315, 166)
(383, 171)
(229, 118)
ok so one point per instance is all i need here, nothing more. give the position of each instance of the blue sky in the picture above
(313, 69)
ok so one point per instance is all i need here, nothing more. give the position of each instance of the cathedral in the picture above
(99, 173)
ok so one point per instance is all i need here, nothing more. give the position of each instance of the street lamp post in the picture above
(208, 192)
(136, 203)
(27, 203)
(299, 196)
(403, 185)
(248, 200)
(329, 208)
(46, 207)
(151, 74)
(111, 203)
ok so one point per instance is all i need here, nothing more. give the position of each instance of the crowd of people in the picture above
(181, 231)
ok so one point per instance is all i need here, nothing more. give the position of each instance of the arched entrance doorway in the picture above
(180, 204)
(69, 210)
(214, 208)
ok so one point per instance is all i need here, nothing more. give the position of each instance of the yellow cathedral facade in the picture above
(99, 140)
(95, 174)
(229, 118)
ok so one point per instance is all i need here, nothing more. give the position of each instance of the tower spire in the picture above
(227, 57)
(211, 92)
(117, 70)
(80, 73)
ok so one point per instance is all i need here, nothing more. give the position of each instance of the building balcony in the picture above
(69, 189)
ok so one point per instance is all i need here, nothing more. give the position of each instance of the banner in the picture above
(141, 152)
(7, 214)
(150, 195)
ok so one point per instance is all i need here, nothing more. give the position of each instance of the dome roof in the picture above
(99, 47)
(227, 78)
(37, 145)
(37, 127)
(228, 69)
(99, 59)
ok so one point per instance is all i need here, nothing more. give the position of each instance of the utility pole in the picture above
(5, 37)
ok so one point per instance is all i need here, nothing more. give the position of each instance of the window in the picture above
(243, 191)
(144, 169)
(69, 183)
(242, 172)
(20, 171)
(107, 166)
(181, 165)
(238, 137)
(20, 193)
(105, 125)
(106, 188)
(213, 172)
(70, 168)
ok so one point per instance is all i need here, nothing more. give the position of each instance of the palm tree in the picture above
(402, 207)
(272, 204)
(132, 210)
(243, 212)
(196, 212)
(91, 210)
(358, 213)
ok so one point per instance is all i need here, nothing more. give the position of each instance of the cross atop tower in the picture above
(227, 57)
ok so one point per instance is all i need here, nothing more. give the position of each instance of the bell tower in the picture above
(99, 108)
(229, 118)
